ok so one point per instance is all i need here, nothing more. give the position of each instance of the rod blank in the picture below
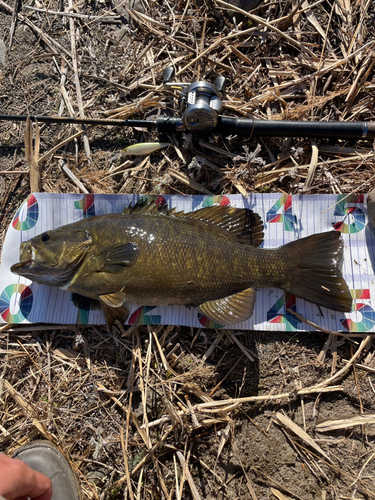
(229, 126)
(80, 121)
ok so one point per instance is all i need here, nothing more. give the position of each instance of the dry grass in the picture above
(166, 412)
(132, 410)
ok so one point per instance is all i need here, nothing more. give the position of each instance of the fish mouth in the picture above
(21, 265)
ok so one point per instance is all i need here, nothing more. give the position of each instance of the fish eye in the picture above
(45, 237)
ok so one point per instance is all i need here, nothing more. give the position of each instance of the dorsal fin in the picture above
(240, 222)
(153, 207)
(243, 223)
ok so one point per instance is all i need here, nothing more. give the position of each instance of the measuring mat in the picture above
(286, 218)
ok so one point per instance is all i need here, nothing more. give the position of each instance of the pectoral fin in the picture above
(114, 258)
(111, 314)
(232, 309)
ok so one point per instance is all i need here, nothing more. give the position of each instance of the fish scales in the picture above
(181, 261)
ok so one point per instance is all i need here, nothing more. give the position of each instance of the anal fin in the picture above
(232, 309)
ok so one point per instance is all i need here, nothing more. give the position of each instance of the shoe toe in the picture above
(47, 459)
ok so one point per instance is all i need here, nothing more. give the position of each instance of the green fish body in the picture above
(209, 259)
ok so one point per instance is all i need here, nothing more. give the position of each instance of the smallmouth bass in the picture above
(209, 259)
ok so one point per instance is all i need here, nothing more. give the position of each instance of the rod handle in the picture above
(280, 128)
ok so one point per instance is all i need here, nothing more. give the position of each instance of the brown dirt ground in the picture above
(89, 391)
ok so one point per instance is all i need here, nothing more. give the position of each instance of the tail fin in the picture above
(315, 271)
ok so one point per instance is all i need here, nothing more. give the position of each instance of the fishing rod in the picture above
(200, 104)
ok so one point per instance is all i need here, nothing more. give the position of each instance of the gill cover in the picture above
(52, 258)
